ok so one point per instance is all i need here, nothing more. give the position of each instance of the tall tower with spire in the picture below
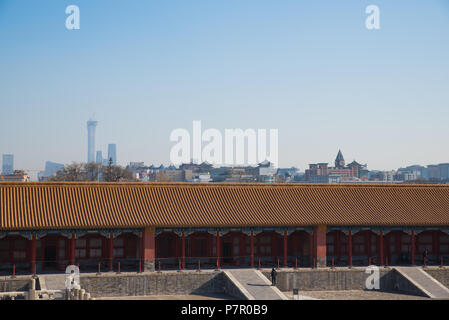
(91, 125)
(339, 161)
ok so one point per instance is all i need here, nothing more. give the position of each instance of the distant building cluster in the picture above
(433, 173)
(205, 172)
(16, 176)
(341, 172)
(438, 173)
(9, 173)
(358, 173)
(265, 172)
(97, 156)
(322, 173)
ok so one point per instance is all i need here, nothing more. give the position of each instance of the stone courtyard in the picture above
(356, 295)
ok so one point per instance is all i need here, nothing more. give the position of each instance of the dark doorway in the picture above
(227, 252)
(200, 247)
(50, 257)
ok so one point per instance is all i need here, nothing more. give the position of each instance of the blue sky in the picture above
(308, 68)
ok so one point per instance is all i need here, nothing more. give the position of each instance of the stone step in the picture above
(423, 281)
(254, 285)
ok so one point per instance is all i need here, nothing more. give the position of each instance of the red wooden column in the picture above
(350, 248)
(285, 248)
(412, 245)
(381, 248)
(217, 249)
(183, 249)
(72, 250)
(148, 249)
(33, 255)
(111, 252)
(320, 245)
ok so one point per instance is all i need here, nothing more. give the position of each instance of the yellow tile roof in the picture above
(119, 205)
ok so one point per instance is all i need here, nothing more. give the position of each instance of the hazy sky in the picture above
(308, 68)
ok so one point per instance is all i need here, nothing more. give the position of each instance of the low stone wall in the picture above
(326, 279)
(155, 283)
(342, 279)
(440, 274)
(216, 282)
(19, 284)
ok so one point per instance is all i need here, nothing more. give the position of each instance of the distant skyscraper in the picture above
(112, 153)
(91, 125)
(99, 158)
(51, 168)
(8, 164)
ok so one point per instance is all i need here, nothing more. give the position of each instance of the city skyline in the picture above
(322, 79)
(112, 153)
(320, 172)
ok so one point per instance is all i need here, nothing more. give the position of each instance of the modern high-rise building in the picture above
(91, 125)
(51, 169)
(99, 157)
(112, 153)
(8, 164)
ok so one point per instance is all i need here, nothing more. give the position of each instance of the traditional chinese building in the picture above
(47, 226)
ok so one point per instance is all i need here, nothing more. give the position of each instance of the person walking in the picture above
(273, 276)
(425, 256)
